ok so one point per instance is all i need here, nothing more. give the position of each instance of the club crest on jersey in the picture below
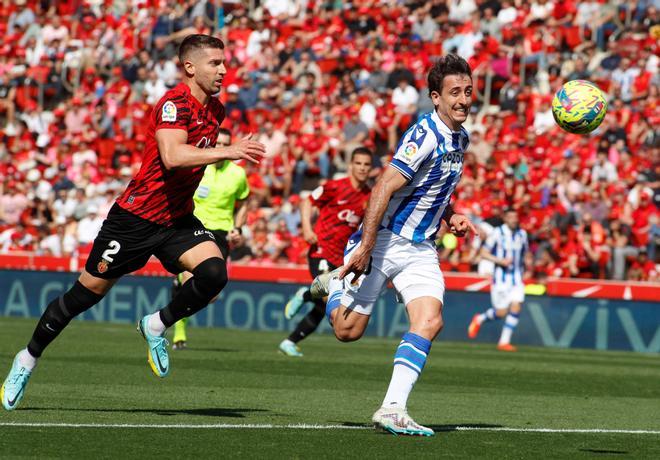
(409, 151)
(169, 111)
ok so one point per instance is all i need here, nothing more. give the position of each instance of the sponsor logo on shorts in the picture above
(204, 232)
(169, 111)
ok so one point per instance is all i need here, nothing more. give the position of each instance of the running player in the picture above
(395, 242)
(154, 216)
(220, 206)
(505, 247)
(341, 204)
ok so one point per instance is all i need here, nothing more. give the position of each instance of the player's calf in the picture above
(348, 325)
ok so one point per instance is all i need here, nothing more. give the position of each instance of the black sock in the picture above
(309, 323)
(58, 314)
(209, 277)
(307, 296)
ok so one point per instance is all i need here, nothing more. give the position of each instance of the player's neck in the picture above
(456, 127)
(197, 92)
(357, 185)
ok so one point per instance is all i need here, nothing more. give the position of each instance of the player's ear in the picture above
(435, 97)
(189, 67)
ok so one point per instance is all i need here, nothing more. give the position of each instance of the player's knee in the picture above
(501, 312)
(78, 299)
(348, 334)
(429, 325)
(210, 277)
(515, 308)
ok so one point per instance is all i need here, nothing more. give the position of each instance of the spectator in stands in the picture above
(239, 251)
(297, 85)
(12, 203)
(7, 102)
(89, 226)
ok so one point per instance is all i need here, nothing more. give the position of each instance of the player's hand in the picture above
(246, 149)
(459, 225)
(234, 236)
(505, 262)
(310, 236)
(357, 264)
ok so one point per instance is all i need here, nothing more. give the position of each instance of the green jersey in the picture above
(217, 193)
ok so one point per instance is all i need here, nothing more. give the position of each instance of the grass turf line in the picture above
(97, 374)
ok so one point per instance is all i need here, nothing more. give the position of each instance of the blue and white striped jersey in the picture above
(430, 156)
(507, 244)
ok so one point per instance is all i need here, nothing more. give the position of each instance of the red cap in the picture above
(294, 199)
(276, 201)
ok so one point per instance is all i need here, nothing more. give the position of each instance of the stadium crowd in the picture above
(315, 79)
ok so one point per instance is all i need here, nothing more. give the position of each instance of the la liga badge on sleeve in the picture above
(169, 111)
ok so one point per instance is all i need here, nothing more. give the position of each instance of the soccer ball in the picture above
(579, 107)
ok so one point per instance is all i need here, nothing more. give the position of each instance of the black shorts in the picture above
(126, 242)
(318, 266)
(221, 241)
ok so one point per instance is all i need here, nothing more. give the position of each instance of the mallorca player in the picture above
(505, 247)
(341, 204)
(395, 242)
(154, 216)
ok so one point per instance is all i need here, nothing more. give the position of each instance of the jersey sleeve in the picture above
(322, 195)
(416, 145)
(172, 113)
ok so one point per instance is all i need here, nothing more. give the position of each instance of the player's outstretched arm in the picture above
(391, 181)
(306, 211)
(175, 153)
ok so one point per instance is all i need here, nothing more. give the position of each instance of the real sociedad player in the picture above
(395, 242)
(505, 247)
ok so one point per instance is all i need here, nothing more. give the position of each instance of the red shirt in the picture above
(155, 193)
(341, 211)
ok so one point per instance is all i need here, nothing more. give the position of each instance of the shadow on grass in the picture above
(436, 428)
(604, 451)
(210, 412)
(213, 350)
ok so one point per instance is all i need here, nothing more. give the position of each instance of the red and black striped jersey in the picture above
(155, 193)
(341, 209)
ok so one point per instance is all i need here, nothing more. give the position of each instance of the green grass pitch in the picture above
(97, 375)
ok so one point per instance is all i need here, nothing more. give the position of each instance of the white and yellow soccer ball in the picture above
(579, 107)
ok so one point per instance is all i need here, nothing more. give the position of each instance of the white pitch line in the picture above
(555, 430)
(267, 426)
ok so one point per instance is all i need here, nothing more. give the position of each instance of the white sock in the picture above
(409, 360)
(510, 324)
(488, 315)
(155, 324)
(402, 383)
(335, 285)
(26, 359)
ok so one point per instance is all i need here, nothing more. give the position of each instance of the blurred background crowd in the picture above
(312, 80)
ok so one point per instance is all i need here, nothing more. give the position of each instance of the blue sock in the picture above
(409, 361)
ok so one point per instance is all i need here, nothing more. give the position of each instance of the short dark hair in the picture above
(197, 42)
(224, 131)
(362, 151)
(450, 64)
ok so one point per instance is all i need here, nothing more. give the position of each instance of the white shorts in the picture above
(501, 296)
(413, 269)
